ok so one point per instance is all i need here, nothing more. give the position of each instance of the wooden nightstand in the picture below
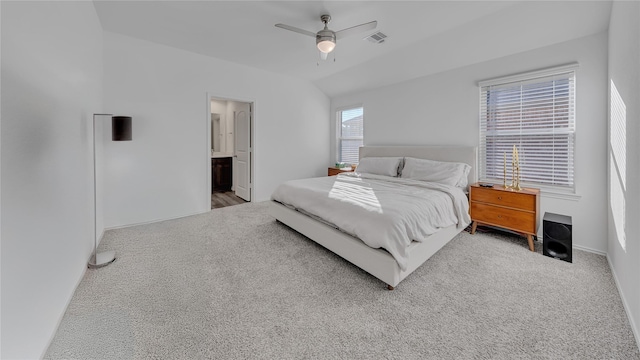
(506, 208)
(335, 171)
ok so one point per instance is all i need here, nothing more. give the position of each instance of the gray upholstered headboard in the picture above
(463, 154)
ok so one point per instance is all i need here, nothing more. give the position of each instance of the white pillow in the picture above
(464, 180)
(448, 173)
(387, 166)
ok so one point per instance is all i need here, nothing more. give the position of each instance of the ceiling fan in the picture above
(326, 38)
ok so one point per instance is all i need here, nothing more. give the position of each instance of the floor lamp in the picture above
(120, 131)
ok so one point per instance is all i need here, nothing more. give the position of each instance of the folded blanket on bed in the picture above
(384, 212)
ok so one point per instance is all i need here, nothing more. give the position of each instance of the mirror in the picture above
(216, 133)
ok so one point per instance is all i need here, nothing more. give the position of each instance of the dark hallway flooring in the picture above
(224, 199)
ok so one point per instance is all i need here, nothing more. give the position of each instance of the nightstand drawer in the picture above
(504, 198)
(335, 171)
(507, 218)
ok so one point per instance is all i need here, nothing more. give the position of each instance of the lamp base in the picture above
(102, 259)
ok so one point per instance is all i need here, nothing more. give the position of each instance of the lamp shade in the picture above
(326, 46)
(326, 40)
(121, 128)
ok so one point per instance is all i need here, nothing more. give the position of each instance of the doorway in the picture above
(230, 136)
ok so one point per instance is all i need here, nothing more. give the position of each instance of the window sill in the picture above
(559, 195)
(547, 192)
(556, 193)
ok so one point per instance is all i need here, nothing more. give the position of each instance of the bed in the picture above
(377, 261)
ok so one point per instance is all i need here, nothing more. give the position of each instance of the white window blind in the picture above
(350, 134)
(536, 113)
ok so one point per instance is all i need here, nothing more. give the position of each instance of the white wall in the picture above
(624, 60)
(52, 83)
(162, 173)
(443, 109)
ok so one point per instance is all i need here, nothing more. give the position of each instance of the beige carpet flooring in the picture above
(235, 284)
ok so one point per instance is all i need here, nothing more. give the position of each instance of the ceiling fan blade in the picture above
(323, 55)
(295, 29)
(355, 29)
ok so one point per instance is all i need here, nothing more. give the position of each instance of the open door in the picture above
(242, 140)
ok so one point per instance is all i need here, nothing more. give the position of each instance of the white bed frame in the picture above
(378, 262)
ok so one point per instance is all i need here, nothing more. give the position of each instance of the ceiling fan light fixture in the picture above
(326, 38)
(326, 46)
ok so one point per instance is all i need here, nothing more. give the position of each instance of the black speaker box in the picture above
(556, 236)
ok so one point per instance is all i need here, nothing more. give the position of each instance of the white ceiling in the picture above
(424, 37)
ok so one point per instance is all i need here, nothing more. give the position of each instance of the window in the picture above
(618, 162)
(350, 134)
(536, 113)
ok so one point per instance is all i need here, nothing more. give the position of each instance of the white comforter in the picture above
(384, 212)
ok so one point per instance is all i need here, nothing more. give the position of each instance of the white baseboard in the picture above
(156, 220)
(634, 326)
(53, 335)
(78, 281)
(587, 249)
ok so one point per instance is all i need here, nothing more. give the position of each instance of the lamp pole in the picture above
(98, 260)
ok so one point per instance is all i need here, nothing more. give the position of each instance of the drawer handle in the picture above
(499, 197)
(499, 216)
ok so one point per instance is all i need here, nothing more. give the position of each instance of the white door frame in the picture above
(252, 130)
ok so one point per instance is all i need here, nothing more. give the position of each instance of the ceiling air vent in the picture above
(376, 38)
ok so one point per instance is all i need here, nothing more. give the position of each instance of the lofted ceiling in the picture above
(424, 37)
